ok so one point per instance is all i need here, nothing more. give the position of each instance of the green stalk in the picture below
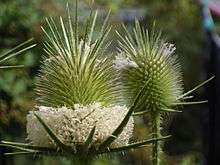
(82, 160)
(156, 148)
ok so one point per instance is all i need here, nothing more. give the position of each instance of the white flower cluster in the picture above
(74, 126)
(168, 49)
(121, 62)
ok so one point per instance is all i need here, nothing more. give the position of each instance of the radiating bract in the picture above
(76, 70)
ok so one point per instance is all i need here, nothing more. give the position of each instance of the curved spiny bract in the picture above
(147, 60)
(75, 70)
(21, 48)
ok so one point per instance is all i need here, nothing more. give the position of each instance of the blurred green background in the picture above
(180, 22)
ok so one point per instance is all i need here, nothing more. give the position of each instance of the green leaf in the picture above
(10, 55)
(11, 67)
(27, 146)
(140, 113)
(169, 110)
(21, 153)
(195, 88)
(191, 103)
(59, 143)
(135, 145)
(120, 128)
(17, 147)
(90, 137)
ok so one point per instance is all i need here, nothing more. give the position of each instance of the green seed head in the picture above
(151, 62)
(75, 70)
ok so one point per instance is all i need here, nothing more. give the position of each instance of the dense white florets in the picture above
(74, 126)
(168, 49)
(121, 62)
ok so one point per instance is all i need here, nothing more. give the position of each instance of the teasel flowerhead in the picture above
(78, 113)
(151, 61)
(77, 85)
(76, 70)
(146, 59)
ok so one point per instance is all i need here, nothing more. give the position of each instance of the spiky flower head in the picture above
(151, 62)
(75, 69)
(146, 60)
(78, 86)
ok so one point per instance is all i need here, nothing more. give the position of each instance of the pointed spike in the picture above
(27, 146)
(105, 23)
(76, 27)
(66, 39)
(195, 88)
(59, 143)
(70, 25)
(92, 28)
(90, 137)
(169, 110)
(135, 145)
(17, 53)
(17, 147)
(20, 153)
(35, 153)
(15, 48)
(187, 97)
(11, 67)
(120, 128)
(191, 103)
(140, 113)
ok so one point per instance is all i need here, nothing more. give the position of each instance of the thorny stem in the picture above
(156, 148)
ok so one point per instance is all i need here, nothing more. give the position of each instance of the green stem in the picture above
(156, 133)
(82, 160)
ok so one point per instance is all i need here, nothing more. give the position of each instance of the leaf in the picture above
(120, 128)
(27, 146)
(9, 53)
(169, 110)
(140, 113)
(90, 137)
(135, 145)
(21, 153)
(191, 103)
(11, 67)
(16, 53)
(59, 143)
(195, 88)
(16, 147)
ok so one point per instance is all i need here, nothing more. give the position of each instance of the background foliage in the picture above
(180, 22)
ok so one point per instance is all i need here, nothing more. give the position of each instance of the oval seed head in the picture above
(73, 127)
(150, 61)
